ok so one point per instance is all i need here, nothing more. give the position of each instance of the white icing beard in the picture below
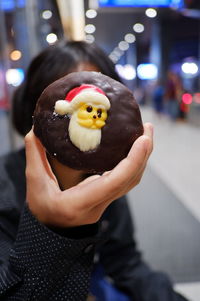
(84, 138)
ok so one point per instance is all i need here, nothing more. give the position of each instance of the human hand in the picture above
(85, 202)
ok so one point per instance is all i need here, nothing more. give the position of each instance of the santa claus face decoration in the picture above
(87, 107)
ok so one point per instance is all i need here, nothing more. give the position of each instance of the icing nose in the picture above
(94, 116)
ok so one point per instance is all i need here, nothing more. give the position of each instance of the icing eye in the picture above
(99, 112)
(89, 109)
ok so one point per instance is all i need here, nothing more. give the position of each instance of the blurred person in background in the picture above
(172, 95)
(158, 98)
(119, 273)
(183, 106)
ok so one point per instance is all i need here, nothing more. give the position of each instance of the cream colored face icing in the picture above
(88, 114)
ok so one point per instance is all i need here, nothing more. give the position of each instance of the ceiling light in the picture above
(113, 57)
(47, 14)
(91, 13)
(118, 51)
(138, 27)
(151, 12)
(90, 28)
(130, 38)
(123, 45)
(51, 38)
(89, 38)
(15, 55)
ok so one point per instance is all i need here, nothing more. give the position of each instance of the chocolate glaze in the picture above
(123, 125)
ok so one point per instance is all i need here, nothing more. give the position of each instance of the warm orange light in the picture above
(15, 55)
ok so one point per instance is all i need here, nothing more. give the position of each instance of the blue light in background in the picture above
(147, 71)
(14, 77)
(9, 5)
(138, 3)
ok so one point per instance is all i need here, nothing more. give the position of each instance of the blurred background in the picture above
(155, 45)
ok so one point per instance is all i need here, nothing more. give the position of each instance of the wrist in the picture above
(78, 232)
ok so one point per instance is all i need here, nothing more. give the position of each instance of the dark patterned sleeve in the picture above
(44, 265)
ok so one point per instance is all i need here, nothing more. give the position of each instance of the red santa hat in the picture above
(89, 94)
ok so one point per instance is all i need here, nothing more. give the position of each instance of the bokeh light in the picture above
(15, 55)
(147, 71)
(127, 71)
(90, 28)
(90, 38)
(189, 68)
(114, 57)
(187, 98)
(91, 13)
(47, 14)
(196, 97)
(138, 27)
(14, 77)
(151, 12)
(118, 51)
(130, 38)
(123, 45)
(51, 38)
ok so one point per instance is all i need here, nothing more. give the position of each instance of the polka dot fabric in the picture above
(47, 266)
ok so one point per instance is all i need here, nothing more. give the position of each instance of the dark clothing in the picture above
(158, 99)
(38, 263)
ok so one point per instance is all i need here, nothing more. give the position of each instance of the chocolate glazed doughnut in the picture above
(88, 121)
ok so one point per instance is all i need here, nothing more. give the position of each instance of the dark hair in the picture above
(51, 64)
